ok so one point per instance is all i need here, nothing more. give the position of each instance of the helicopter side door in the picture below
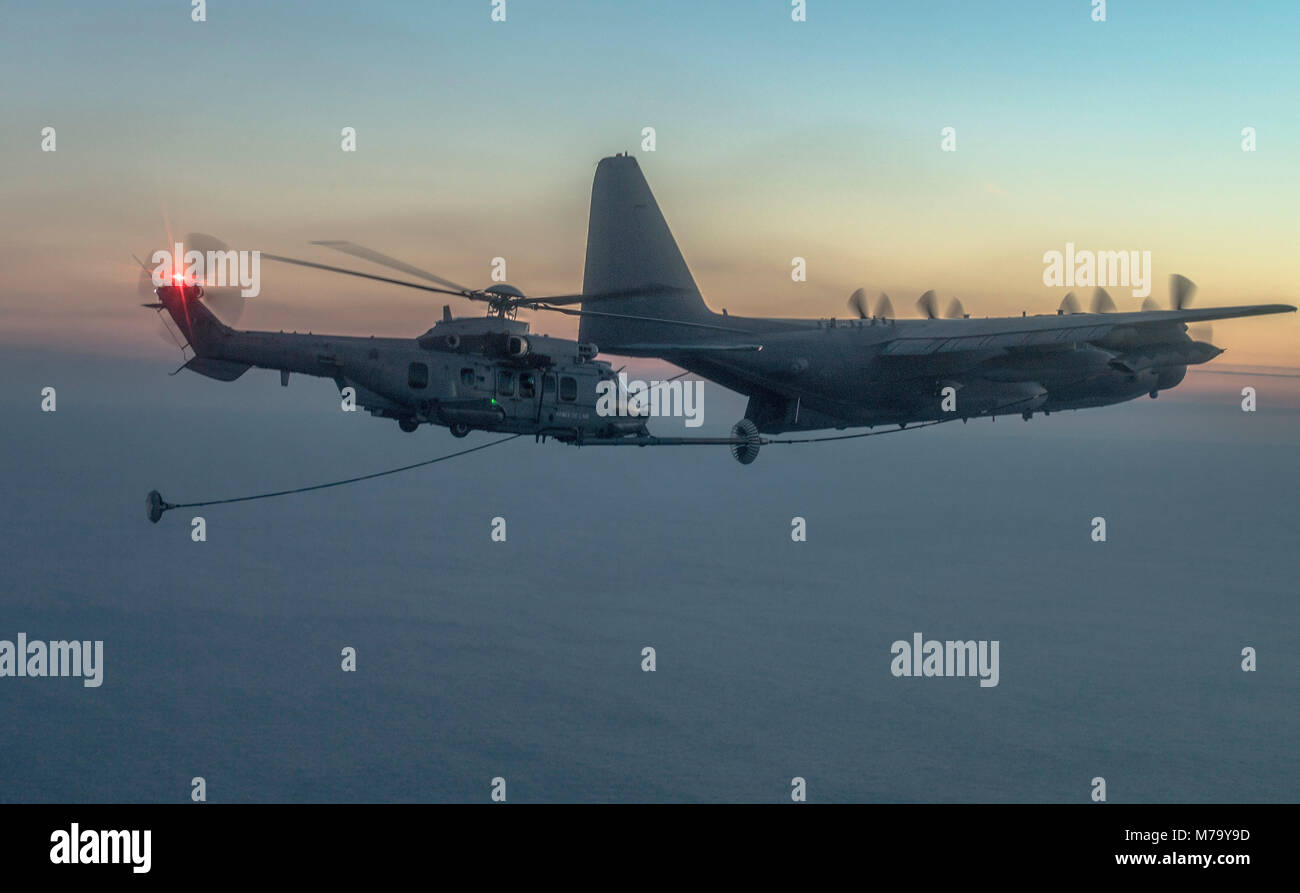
(561, 405)
(518, 392)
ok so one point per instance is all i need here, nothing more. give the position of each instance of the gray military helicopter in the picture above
(640, 300)
(485, 373)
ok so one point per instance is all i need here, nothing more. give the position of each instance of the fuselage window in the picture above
(527, 384)
(467, 377)
(568, 389)
(505, 383)
(417, 376)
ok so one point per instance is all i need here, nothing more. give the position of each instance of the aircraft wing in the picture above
(945, 336)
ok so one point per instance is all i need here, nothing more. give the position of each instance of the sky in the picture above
(774, 139)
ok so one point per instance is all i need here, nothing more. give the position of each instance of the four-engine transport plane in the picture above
(640, 300)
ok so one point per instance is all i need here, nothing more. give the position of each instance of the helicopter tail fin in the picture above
(197, 323)
(634, 267)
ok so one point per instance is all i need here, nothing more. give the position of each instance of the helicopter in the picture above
(468, 373)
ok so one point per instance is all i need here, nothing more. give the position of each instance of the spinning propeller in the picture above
(926, 304)
(1102, 302)
(884, 306)
(227, 301)
(1181, 291)
(858, 304)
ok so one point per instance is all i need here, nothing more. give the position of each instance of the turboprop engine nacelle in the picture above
(1190, 353)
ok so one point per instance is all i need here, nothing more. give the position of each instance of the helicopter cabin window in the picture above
(568, 389)
(527, 384)
(467, 377)
(417, 376)
(505, 383)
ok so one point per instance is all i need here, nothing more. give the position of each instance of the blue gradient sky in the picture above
(775, 139)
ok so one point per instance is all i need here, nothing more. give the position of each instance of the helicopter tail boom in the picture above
(197, 323)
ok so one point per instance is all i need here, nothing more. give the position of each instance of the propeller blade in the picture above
(956, 310)
(144, 284)
(384, 260)
(1181, 290)
(884, 307)
(927, 304)
(204, 243)
(1150, 304)
(1203, 332)
(1101, 302)
(226, 301)
(1069, 303)
(858, 303)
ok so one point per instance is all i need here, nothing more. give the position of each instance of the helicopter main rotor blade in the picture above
(671, 322)
(532, 303)
(465, 293)
(373, 256)
(361, 251)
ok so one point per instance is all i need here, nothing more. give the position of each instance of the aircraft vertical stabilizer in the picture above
(631, 249)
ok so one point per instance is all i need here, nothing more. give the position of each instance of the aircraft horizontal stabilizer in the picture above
(221, 370)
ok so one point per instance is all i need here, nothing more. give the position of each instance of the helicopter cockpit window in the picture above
(527, 384)
(417, 375)
(467, 377)
(568, 389)
(505, 383)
